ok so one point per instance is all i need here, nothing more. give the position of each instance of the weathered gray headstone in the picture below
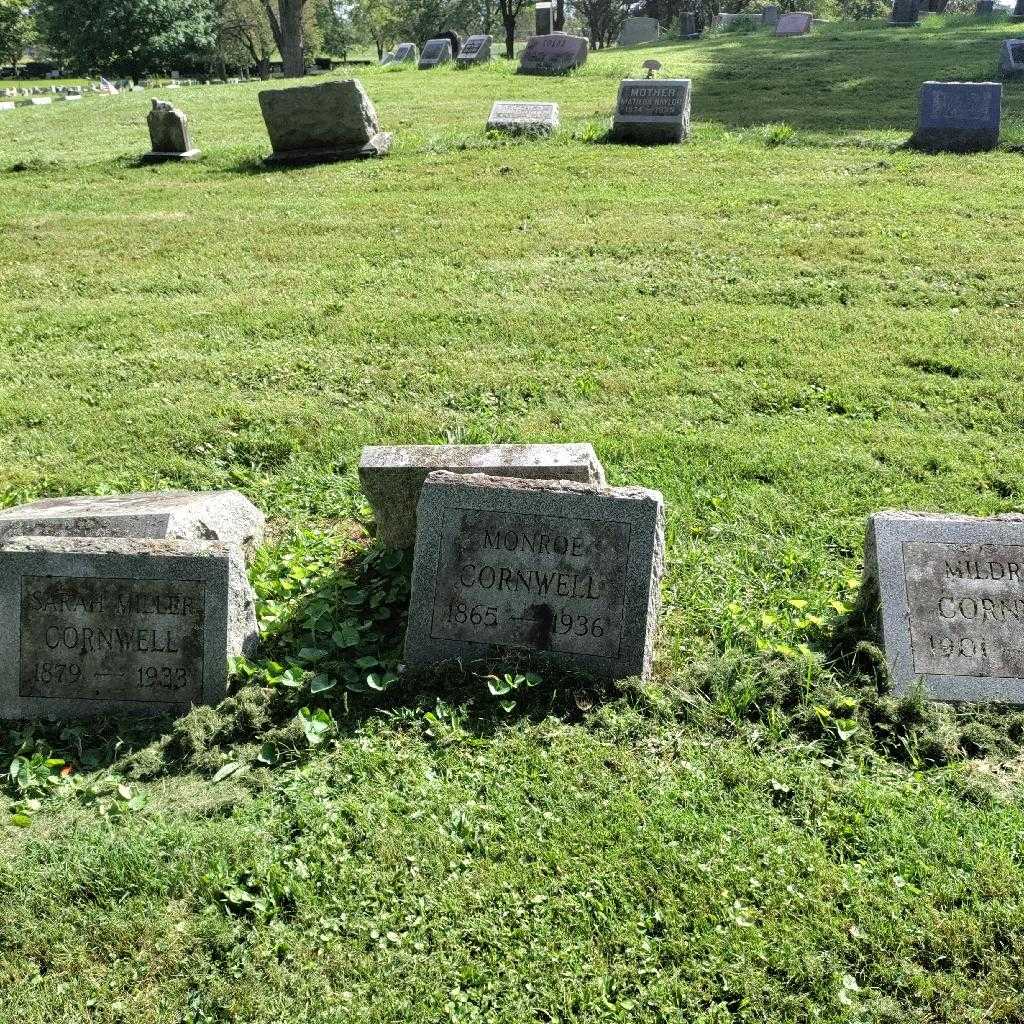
(905, 13)
(392, 476)
(314, 123)
(168, 134)
(7, 105)
(517, 117)
(388, 58)
(476, 50)
(435, 52)
(952, 596)
(224, 516)
(796, 23)
(1011, 58)
(405, 53)
(652, 110)
(726, 20)
(959, 117)
(1018, 11)
(536, 567)
(689, 27)
(542, 19)
(639, 30)
(770, 15)
(40, 101)
(555, 54)
(984, 8)
(96, 625)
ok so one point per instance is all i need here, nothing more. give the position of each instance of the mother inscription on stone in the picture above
(545, 567)
(952, 594)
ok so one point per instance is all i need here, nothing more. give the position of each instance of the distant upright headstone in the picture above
(689, 26)
(224, 516)
(984, 8)
(796, 23)
(959, 117)
(113, 625)
(406, 52)
(168, 134)
(476, 50)
(905, 13)
(770, 15)
(952, 598)
(41, 101)
(314, 123)
(652, 110)
(639, 30)
(555, 54)
(392, 476)
(7, 105)
(546, 568)
(521, 117)
(1018, 11)
(542, 19)
(387, 59)
(1011, 58)
(435, 52)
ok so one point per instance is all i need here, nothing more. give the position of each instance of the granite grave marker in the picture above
(689, 27)
(637, 30)
(652, 110)
(520, 117)
(99, 625)
(168, 134)
(959, 117)
(554, 568)
(1011, 58)
(770, 15)
(555, 54)
(405, 53)
(795, 23)
(321, 123)
(435, 52)
(476, 50)
(905, 13)
(952, 599)
(392, 476)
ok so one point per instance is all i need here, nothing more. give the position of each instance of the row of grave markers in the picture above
(135, 603)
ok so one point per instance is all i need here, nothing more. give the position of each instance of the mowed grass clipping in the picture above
(781, 328)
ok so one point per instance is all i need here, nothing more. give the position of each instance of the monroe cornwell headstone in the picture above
(553, 568)
(652, 110)
(554, 54)
(435, 52)
(98, 625)
(476, 50)
(952, 596)
(319, 123)
(518, 117)
(392, 476)
(961, 117)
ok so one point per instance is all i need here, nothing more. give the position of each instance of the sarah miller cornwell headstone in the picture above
(952, 599)
(959, 117)
(119, 625)
(551, 568)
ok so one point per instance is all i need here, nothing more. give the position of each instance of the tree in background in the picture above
(510, 10)
(243, 35)
(380, 21)
(287, 20)
(17, 31)
(127, 37)
(603, 19)
(336, 28)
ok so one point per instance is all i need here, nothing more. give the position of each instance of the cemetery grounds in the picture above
(784, 325)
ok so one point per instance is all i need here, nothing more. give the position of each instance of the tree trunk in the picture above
(263, 68)
(559, 25)
(287, 31)
(510, 38)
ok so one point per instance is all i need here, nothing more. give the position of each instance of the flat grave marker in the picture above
(118, 625)
(569, 571)
(952, 595)
(652, 110)
(392, 476)
(520, 117)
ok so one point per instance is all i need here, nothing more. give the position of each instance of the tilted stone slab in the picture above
(1011, 58)
(555, 54)
(540, 568)
(321, 123)
(959, 117)
(392, 477)
(225, 516)
(518, 117)
(952, 597)
(406, 52)
(797, 23)
(652, 110)
(476, 50)
(94, 626)
(435, 52)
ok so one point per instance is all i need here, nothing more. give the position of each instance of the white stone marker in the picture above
(516, 117)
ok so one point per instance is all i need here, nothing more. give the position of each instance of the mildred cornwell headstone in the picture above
(113, 625)
(540, 568)
(952, 597)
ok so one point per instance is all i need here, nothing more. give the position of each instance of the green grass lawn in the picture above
(780, 337)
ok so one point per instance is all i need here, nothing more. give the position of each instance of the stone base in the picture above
(903, 24)
(955, 140)
(162, 158)
(379, 145)
(647, 134)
